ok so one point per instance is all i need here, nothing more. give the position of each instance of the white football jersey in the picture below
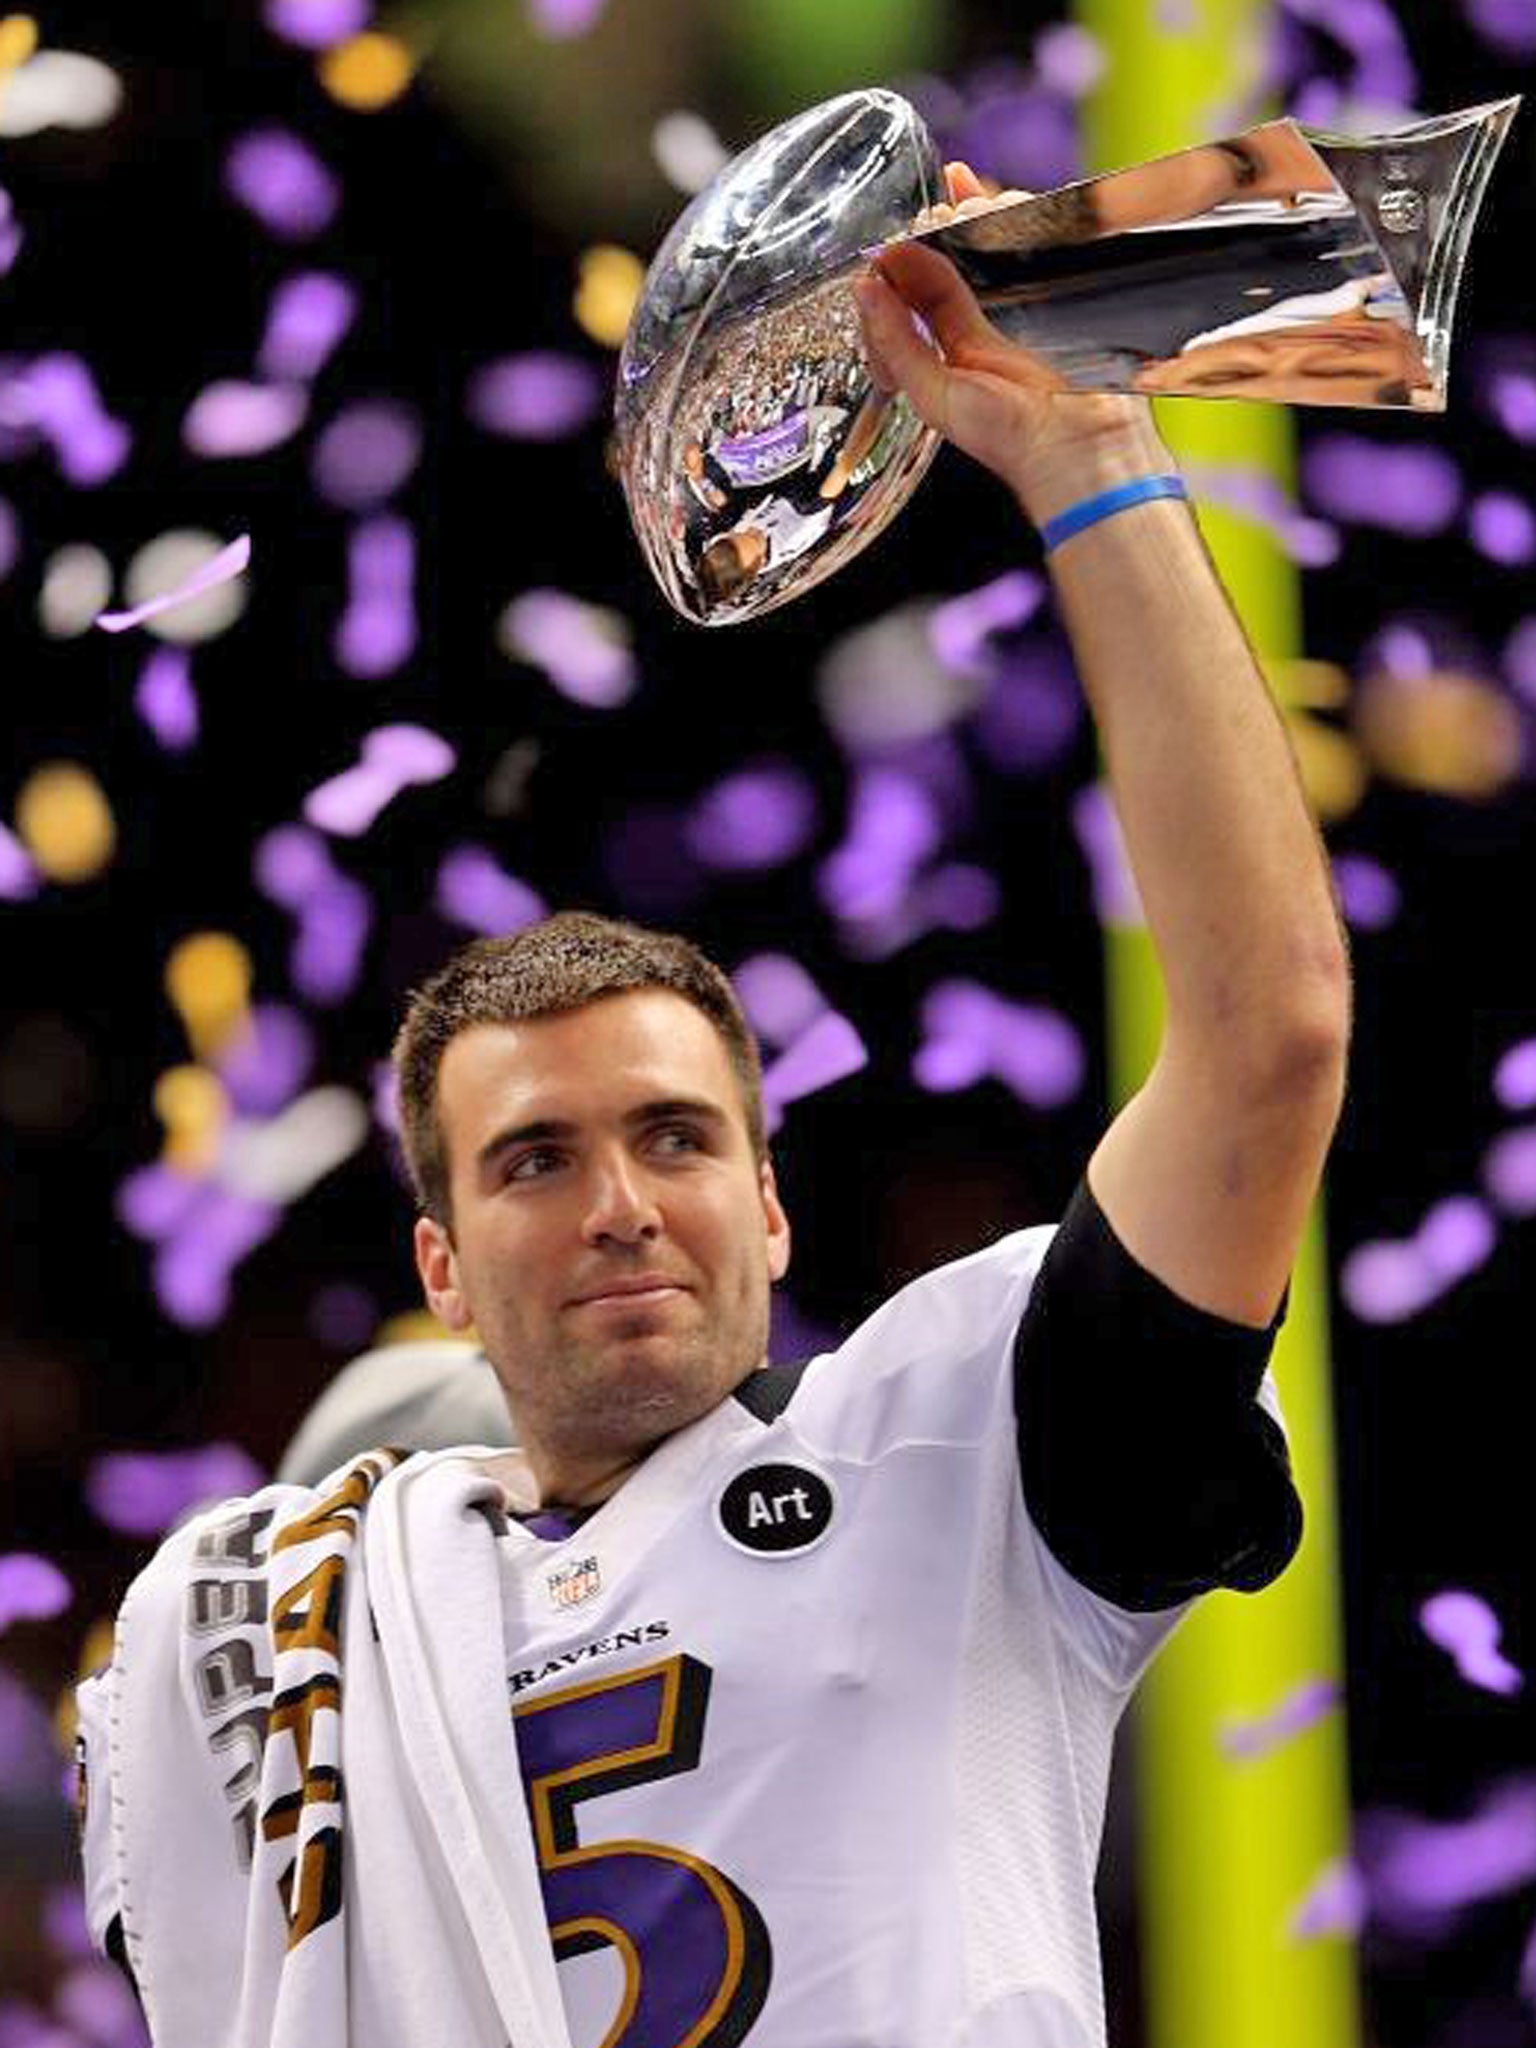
(814, 1730)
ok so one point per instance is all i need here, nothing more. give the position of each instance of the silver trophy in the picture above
(1285, 263)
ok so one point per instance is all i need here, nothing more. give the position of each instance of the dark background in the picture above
(463, 251)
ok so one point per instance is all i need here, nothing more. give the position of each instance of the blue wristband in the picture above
(1106, 504)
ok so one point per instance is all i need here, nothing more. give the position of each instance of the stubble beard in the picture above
(639, 1386)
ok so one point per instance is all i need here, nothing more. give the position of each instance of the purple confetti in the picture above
(1470, 1630)
(560, 19)
(235, 418)
(1514, 1078)
(265, 1065)
(893, 829)
(367, 453)
(1368, 894)
(11, 236)
(1419, 1869)
(1508, 26)
(827, 1051)
(227, 564)
(10, 538)
(1413, 490)
(377, 632)
(779, 997)
(1303, 1707)
(1520, 658)
(1022, 134)
(971, 1033)
(1069, 60)
(20, 878)
(1388, 1281)
(31, 1589)
(584, 650)
(332, 938)
(757, 818)
(1456, 1237)
(343, 1316)
(473, 890)
(283, 183)
(954, 897)
(309, 317)
(538, 396)
(1509, 1172)
(95, 2000)
(1503, 372)
(28, 1754)
(56, 395)
(792, 1335)
(386, 1098)
(1032, 714)
(1097, 825)
(165, 700)
(1335, 1902)
(193, 1268)
(394, 758)
(141, 1493)
(155, 1201)
(1503, 528)
(1312, 543)
(959, 629)
(317, 24)
(293, 866)
(65, 1926)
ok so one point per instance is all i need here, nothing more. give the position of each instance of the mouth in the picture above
(630, 1297)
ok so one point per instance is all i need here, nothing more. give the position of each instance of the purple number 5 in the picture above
(696, 1955)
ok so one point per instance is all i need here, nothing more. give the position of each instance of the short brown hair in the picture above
(560, 964)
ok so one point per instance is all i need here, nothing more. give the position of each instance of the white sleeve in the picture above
(93, 1796)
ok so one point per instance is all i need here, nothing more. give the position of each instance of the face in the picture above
(613, 1238)
(1347, 362)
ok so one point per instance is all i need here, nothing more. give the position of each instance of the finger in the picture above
(898, 359)
(963, 182)
(936, 292)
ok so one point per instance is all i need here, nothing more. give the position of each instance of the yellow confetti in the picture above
(419, 1326)
(368, 71)
(208, 979)
(192, 1105)
(96, 1648)
(1447, 731)
(1311, 685)
(18, 40)
(609, 281)
(65, 822)
(1334, 772)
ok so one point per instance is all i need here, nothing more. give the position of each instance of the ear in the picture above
(438, 1265)
(778, 1223)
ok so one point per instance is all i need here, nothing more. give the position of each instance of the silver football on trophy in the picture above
(1285, 263)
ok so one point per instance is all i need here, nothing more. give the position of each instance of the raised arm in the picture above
(1207, 1174)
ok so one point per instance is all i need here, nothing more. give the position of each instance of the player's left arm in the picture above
(1207, 1174)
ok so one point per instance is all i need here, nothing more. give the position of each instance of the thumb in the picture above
(898, 359)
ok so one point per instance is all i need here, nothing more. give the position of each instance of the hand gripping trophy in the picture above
(757, 452)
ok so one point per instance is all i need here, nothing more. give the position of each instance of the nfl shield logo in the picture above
(575, 1583)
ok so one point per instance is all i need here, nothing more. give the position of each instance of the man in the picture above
(741, 1705)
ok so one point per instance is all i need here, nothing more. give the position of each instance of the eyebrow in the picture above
(546, 1130)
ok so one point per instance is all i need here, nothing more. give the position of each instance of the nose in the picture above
(621, 1207)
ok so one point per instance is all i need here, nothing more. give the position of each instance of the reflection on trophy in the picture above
(1285, 263)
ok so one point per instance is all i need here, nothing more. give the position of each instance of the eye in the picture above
(690, 1139)
(533, 1165)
